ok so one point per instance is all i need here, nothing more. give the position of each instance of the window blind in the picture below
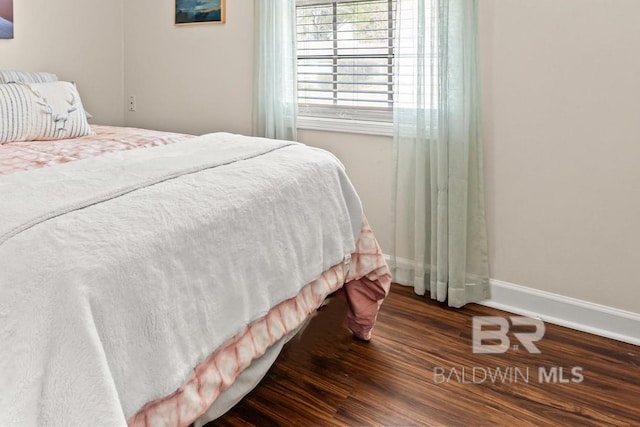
(345, 55)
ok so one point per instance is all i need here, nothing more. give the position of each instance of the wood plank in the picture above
(327, 378)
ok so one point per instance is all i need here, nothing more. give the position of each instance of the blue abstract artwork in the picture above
(199, 11)
(6, 19)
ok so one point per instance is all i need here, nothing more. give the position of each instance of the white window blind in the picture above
(345, 55)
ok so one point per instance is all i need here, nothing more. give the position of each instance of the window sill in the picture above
(345, 126)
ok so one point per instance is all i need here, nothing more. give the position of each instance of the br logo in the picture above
(484, 329)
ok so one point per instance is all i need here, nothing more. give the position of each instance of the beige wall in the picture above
(561, 124)
(79, 41)
(194, 78)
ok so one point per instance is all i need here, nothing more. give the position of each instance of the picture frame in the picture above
(189, 12)
(6, 19)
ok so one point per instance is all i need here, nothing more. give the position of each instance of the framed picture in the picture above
(6, 19)
(199, 12)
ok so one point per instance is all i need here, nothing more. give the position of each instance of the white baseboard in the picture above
(566, 311)
(560, 310)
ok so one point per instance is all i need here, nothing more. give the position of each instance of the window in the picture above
(345, 54)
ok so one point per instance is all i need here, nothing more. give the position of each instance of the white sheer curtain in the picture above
(275, 98)
(440, 243)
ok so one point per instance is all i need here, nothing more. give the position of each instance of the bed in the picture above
(151, 278)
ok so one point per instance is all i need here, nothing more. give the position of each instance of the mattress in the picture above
(140, 283)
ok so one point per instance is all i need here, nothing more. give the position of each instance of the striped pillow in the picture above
(26, 77)
(41, 112)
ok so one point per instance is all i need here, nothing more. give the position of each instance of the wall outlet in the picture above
(132, 103)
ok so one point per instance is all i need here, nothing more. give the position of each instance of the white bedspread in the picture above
(119, 273)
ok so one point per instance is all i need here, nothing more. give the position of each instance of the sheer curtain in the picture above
(440, 243)
(274, 101)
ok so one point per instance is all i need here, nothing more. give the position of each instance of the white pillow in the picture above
(10, 76)
(40, 112)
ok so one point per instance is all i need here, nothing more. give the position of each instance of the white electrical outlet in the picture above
(132, 103)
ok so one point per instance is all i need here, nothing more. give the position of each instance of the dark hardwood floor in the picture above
(419, 371)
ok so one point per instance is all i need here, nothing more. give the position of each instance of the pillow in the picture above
(30, 77)
(26, 77)
(41, 112)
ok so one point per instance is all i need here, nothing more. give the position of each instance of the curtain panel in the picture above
(275, 97)
(439, 226)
